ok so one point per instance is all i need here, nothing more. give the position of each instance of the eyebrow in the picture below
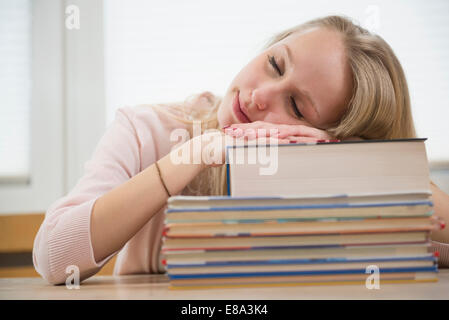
(302, 93)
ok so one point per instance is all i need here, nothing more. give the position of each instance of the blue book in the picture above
(250, 209)
(427, 257)
(298, 273)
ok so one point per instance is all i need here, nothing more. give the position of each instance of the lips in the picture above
(240, 115)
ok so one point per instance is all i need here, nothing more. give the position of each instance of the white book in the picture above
(352, 168)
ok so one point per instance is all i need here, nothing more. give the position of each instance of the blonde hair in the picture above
(379, 107)
(200, 108)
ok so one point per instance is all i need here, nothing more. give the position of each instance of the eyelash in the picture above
(276, 67)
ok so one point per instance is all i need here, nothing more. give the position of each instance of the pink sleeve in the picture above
(64, 237)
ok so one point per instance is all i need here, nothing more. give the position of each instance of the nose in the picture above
(264, 97)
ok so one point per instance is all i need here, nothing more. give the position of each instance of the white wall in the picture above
(164, 51)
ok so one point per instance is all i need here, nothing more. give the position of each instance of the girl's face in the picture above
(303, 79)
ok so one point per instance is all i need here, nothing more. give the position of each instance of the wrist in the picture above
(203, 151)
(212, 148)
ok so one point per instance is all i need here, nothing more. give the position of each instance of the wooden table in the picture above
(155, 287)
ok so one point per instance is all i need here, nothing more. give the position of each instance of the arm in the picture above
(288, 132)
(109, 204)
(441, 209)
(140, 197)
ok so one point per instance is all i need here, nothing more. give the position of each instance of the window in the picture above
(31, 128)
(15, 90)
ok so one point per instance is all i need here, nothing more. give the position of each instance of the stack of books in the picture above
(330, 214)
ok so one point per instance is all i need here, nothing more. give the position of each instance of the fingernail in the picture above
(331, 140)
(226, 127)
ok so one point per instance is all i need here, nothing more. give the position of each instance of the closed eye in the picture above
(295, 108)
(273, 63)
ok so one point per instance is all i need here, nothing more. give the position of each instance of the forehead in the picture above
(320, 48)
(319, 66)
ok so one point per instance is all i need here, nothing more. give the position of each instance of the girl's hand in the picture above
(291, 133)
(210, 147)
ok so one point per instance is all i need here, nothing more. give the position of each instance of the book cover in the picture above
(352, 168)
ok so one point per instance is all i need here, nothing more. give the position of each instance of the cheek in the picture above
(284, 118)
(331, 117)
(276, 117)
(249, 77)
(245, 81)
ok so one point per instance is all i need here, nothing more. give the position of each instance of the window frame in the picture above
(68, 111)
(85, 102)
(46, 178)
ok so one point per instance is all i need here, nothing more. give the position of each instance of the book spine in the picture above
(177, 286)
(428, 257)
(281, 247)
(299, 273)
(294, 207)
(292, 233)
(228, 181)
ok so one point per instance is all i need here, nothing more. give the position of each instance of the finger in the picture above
(244, 126)
(234, 132)
(229, 131)
(255, 124)
(262, 129)
(295, 138)
(268, 132)
(266, 141)
(283, 141)
(309, 139)
(238, 132)
(250, 134)
(274, 140)
(303, 140)
(305, 131)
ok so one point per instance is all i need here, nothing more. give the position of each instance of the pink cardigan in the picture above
(137, 138)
